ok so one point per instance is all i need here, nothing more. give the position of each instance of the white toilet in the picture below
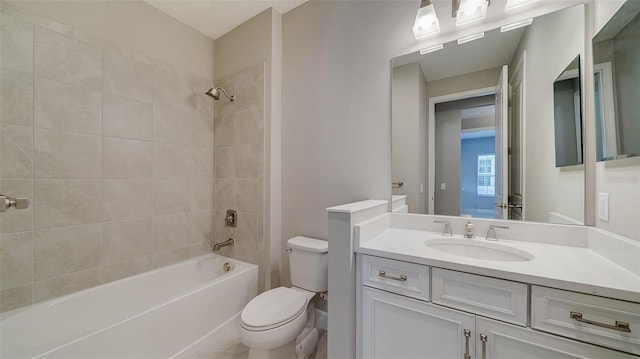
(280, 323)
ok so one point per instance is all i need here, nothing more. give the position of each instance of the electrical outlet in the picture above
(603, 206)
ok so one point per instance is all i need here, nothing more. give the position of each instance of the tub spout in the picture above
(218, 245)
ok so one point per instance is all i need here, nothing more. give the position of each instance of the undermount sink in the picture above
(479, 249)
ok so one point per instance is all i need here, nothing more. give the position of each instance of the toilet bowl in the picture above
(280, 323)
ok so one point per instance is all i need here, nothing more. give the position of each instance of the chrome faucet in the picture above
(447, 228)
(492, 232)
(468, 230)
(218, 245)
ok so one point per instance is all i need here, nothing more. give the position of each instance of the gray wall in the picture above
(447, 201)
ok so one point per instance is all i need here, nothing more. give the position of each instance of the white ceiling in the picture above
(215, 18)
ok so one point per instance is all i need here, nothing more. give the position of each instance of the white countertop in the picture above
(559, 266)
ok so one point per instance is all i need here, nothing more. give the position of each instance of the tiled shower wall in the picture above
(114, 151)
(239, 165)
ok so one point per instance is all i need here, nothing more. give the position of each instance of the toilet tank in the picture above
(308, 262)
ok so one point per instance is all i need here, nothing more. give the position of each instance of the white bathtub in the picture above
(168, 312)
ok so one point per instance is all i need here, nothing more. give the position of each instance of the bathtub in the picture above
(174, 311)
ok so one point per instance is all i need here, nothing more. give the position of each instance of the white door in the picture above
(516, 142)
(397, 327)
(502, 144)
(497, 340)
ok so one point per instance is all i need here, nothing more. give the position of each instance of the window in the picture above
(487, 175)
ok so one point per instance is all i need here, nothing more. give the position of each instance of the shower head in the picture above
(213, 92)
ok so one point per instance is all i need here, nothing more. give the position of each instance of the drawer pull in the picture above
(619, 326)
(483, 339)
(383, 274)
(467, 335)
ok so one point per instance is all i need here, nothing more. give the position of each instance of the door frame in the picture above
(519, 75)
(431, 159)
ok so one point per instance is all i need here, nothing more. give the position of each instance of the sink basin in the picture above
(479, 249)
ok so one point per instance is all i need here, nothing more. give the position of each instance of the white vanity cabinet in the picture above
(462, 316)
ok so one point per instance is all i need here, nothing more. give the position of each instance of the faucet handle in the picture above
(492, 230)
(447, 227)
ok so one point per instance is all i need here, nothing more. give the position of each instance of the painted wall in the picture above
(469, 199)
(447, 159)
(409, 131)
(114, 149)
(548, 188)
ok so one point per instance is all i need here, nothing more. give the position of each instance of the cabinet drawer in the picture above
(607, 322)
(491, 297)
(394, 276)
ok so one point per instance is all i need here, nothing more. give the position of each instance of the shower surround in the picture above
(115, 152)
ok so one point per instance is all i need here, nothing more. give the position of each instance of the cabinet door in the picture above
(397, 327)
(496, 340)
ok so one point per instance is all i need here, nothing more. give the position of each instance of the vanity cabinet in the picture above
(463, 316)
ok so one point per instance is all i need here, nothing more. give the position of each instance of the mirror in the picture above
(567, 115)
(473, 125)
(616, 58)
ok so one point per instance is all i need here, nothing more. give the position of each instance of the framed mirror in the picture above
(616, 58)
(473, 125)
(567, 116)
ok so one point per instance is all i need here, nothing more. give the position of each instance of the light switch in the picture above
(421, 191)
(603, 206)
(443, 186)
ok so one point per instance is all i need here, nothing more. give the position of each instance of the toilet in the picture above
(280, 323)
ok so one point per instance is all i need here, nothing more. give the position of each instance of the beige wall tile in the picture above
(16, 151)
(250, 126)
(16, 44)
(62, 58)
(244, 254)
(201, 227)
(202, 161)
(163, 259)
(202, 132)
(173, 90)
(171, 196)
(17, 90)
(16, 260)
(67, 155)
(128, 240)
(127, 118)
(171, 161)
(220, 231)
(249, 231)
(225, 194)
(202, 194)
(249, 161)
(200, 249)
(171, 124)
(249, 195)
(171, 232)
(225, 162)
(126, 269)
(59, 286)
(62, 203)
(224, 128)
(13, 220)
(66, 250)
(60, 106)
(124, 158)
(127, 199)
(16, 297)
(250, 87)
(126, 76)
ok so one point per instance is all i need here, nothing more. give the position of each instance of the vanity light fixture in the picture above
(516, 25)
(427, 22)
(477, 36)
(429, 49)
(514, 4)
(470, 11)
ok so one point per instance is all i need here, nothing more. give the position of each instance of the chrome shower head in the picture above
(213, 92)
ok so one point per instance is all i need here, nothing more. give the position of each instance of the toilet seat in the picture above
(273, 308)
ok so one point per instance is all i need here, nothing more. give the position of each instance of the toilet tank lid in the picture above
(309, 244)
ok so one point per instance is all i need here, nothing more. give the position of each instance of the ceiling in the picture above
(215, 18)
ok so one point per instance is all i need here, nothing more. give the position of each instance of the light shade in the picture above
(431, 49)
(427, 22)
(517, 25)
(471, 11)
(477, 36)
(514, 4)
